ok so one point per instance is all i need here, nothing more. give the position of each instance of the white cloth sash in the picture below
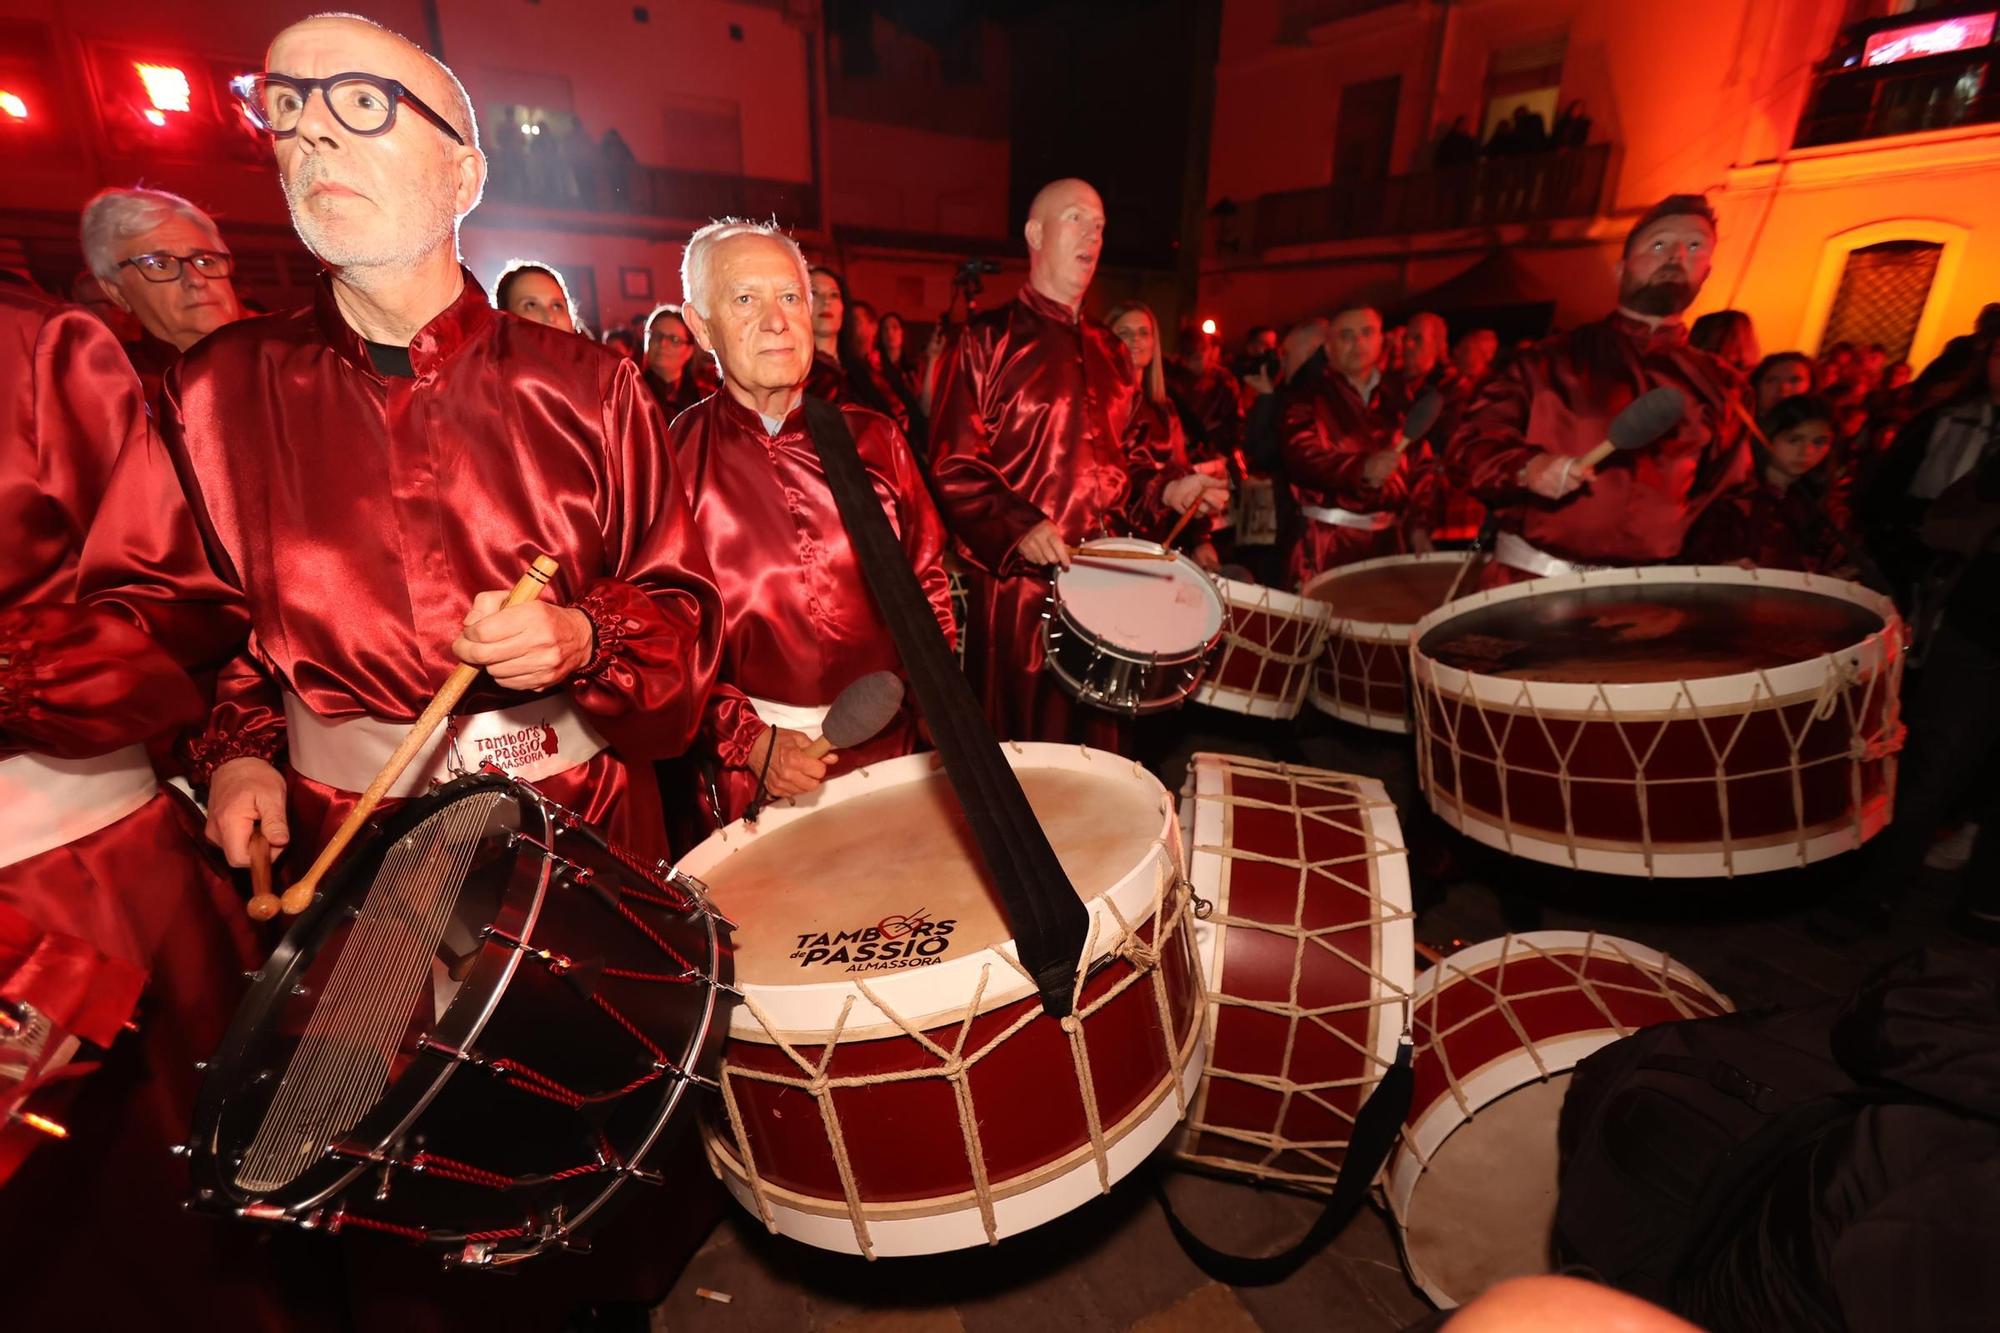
(47, 802)
(1512, 551)
(1347, 518)
(531, 741)
(792, 717)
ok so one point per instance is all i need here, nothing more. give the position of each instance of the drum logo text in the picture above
(909, 939)
(517, 749)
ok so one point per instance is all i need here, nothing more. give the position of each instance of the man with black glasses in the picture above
(159, 257)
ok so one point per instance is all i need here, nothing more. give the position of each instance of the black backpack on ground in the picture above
(1832, 1167)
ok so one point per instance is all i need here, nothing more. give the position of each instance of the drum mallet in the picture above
(1417, 422)
(859, 712)
(263, 903)
(300, 895)
(1644, 420)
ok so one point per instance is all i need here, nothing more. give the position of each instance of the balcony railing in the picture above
(1935, 94)
(594, 183)
(1537, 188)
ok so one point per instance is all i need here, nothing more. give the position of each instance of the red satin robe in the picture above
(354, 515)
(1035, 420)
(1328, 432)
(1560, 397)
(799, 622)
(83, 925)
(1448, 513)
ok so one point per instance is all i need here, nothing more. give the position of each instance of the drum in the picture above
(1131, 636)
(1306, 954)
(1498, 1027)
(1269, 646)
(891, 1084)
(472, 1040)
(1671, 721)
(1364, 672)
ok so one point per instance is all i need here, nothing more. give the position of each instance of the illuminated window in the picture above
(166, 87)
(1883, 291)
(12, 106)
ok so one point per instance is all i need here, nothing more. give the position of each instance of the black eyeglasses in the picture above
(159, 266)
(364, 103)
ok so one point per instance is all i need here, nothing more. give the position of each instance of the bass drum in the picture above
(892, 1085)
(474, 1038)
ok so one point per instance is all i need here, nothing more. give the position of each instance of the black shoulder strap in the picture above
(1376, 1125)
(1048, 918)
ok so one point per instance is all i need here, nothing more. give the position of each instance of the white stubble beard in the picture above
(434, 224)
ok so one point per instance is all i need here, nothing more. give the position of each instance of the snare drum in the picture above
(1306, 953)
(891, 1084)
(1268, 650)
(1131, 636)
(472, 1040)
(1673, 720)
(1498, 1027)
(1364, 671)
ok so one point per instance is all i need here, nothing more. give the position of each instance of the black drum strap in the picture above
(1376, 1125)
(1047, 917)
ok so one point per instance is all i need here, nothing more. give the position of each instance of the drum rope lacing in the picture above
(1834, 699)
(1687, 994)
(1297, 667)
(1357, 875)
(1170, 913)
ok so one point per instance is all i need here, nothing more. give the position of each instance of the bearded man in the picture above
(802, 624)
(1034, 449)
(366, 477)
(1520, 447)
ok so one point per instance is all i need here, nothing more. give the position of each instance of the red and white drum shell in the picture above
(1682, 767)
(891, 1085)
(1306, 950)
(1363, 674)
(1270, 645)
(1497, 1028)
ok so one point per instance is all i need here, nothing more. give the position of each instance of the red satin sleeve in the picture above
(1320, 456)
(659, 622)
(987, 515)
(77, 682)
(1490, 446)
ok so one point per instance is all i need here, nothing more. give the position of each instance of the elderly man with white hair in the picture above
(801, 624)
(367, 477)
(159, 257)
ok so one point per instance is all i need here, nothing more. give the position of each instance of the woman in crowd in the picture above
(1728, 334)
(537, 293)
(671, 362)
(1138, 328)
(861, 366)
(889, 348)
(1791, 518)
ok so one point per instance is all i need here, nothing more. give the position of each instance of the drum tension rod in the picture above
(557, 963)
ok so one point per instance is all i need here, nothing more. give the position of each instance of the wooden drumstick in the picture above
(300, 895)
(263, 903)
(1114, 553)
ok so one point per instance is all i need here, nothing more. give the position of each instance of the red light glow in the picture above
(158, 119)
(166, 88)
(12, 106)
(1928, 39)
(1208, 327)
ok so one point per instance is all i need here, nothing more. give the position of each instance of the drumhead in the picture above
(1644, 638)
(1396, 590)
(1163, 607)
(878, 884)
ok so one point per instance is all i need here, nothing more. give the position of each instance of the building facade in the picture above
(1851, 149)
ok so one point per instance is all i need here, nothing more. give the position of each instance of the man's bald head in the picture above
(1065, 234)
(384, 202)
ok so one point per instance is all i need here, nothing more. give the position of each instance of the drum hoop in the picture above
(927, 993)
(1205, 817)
(407, 1095)
(1071, 625)
(1390, 630)
(1193, 672)
(1742, 689)
(1274, 601)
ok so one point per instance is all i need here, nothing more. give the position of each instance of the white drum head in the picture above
(1165, 607)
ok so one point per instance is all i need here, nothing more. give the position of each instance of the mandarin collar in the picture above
(737, 414)
(449, 330)
(1671, 331)
(1048, 307)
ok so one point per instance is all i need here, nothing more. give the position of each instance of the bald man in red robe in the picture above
(1521, 445)
(1348, 481)
(366, 477)
(1033, 451)
(801, 623)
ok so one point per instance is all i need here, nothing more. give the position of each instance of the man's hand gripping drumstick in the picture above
(526, 652)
